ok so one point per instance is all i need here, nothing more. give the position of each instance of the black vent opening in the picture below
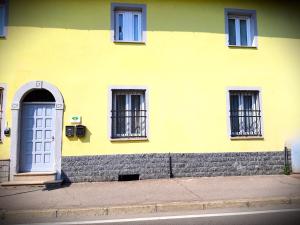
(128, 177)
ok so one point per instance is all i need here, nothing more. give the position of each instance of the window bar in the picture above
(135, 125)
(254, 115)
(255, 131)
(145, 122)
(248, 115)
(259, 113)
(253, 107)
(240, 113)
(251, 120)
(250, 111)
(250, 108)
(112, 124)
(248, 105)
(245, 107)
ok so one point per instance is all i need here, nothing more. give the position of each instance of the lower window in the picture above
(128, 115)
(245, 113)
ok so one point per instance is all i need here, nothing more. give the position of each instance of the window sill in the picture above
(129, 42)
(242, 46)
(247, 138)
(128, 139)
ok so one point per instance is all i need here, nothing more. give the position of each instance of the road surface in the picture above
(280, 215)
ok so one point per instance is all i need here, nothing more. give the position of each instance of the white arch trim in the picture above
(15, 129)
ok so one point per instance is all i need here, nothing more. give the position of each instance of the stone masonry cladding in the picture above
(4, 170)
(153, 166)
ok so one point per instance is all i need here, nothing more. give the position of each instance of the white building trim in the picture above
(16, 117)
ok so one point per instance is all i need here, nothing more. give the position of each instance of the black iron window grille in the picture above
(129, 115)
(245, 113)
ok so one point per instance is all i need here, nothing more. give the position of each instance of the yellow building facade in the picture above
(179, 60)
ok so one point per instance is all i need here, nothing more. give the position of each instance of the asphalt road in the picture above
(255, 216)
(282, 218)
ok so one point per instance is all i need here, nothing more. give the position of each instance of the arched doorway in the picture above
(37, 114)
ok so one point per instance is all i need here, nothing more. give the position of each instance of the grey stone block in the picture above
(153, 166)
(4, 170)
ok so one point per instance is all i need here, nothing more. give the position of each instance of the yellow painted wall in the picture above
(184, 63)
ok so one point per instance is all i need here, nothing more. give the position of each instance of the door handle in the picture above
(52, 138)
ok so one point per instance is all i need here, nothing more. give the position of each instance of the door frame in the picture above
(16, 125)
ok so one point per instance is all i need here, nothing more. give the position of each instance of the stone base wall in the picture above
(153, 166)
(4, 170)
(109, 167)
(228, 164)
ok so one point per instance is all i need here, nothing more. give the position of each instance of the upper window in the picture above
(2, 17)
(128, 22)
(245, 113)
(128, 114)
(241, 27)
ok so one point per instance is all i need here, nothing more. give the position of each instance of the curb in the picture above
(143, 209)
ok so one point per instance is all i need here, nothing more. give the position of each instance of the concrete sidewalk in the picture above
(147, 196)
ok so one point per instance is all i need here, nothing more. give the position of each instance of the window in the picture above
(245, 113)
(2, 17)
(128, 22)
(241, 28)
(128, 114)
(128, 26)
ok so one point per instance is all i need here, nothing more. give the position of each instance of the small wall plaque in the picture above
(75, 119)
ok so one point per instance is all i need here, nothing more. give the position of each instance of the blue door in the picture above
(37, 137)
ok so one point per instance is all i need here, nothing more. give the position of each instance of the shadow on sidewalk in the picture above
(48, 187)
(21, 192)
(51, 187)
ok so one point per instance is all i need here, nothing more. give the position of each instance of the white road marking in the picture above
(167, 217)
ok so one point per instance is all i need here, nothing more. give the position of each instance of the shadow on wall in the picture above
(275, 18)
(87, 137)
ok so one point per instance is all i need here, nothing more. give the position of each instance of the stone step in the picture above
(32, 183)
(35, 176)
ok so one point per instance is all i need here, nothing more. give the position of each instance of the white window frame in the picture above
(128, 26)
(128, 11)
(237, 29)
(254, 106)
(251, 23)
(3, 88)
(259, 99)
(128, 94)
(128, 91)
